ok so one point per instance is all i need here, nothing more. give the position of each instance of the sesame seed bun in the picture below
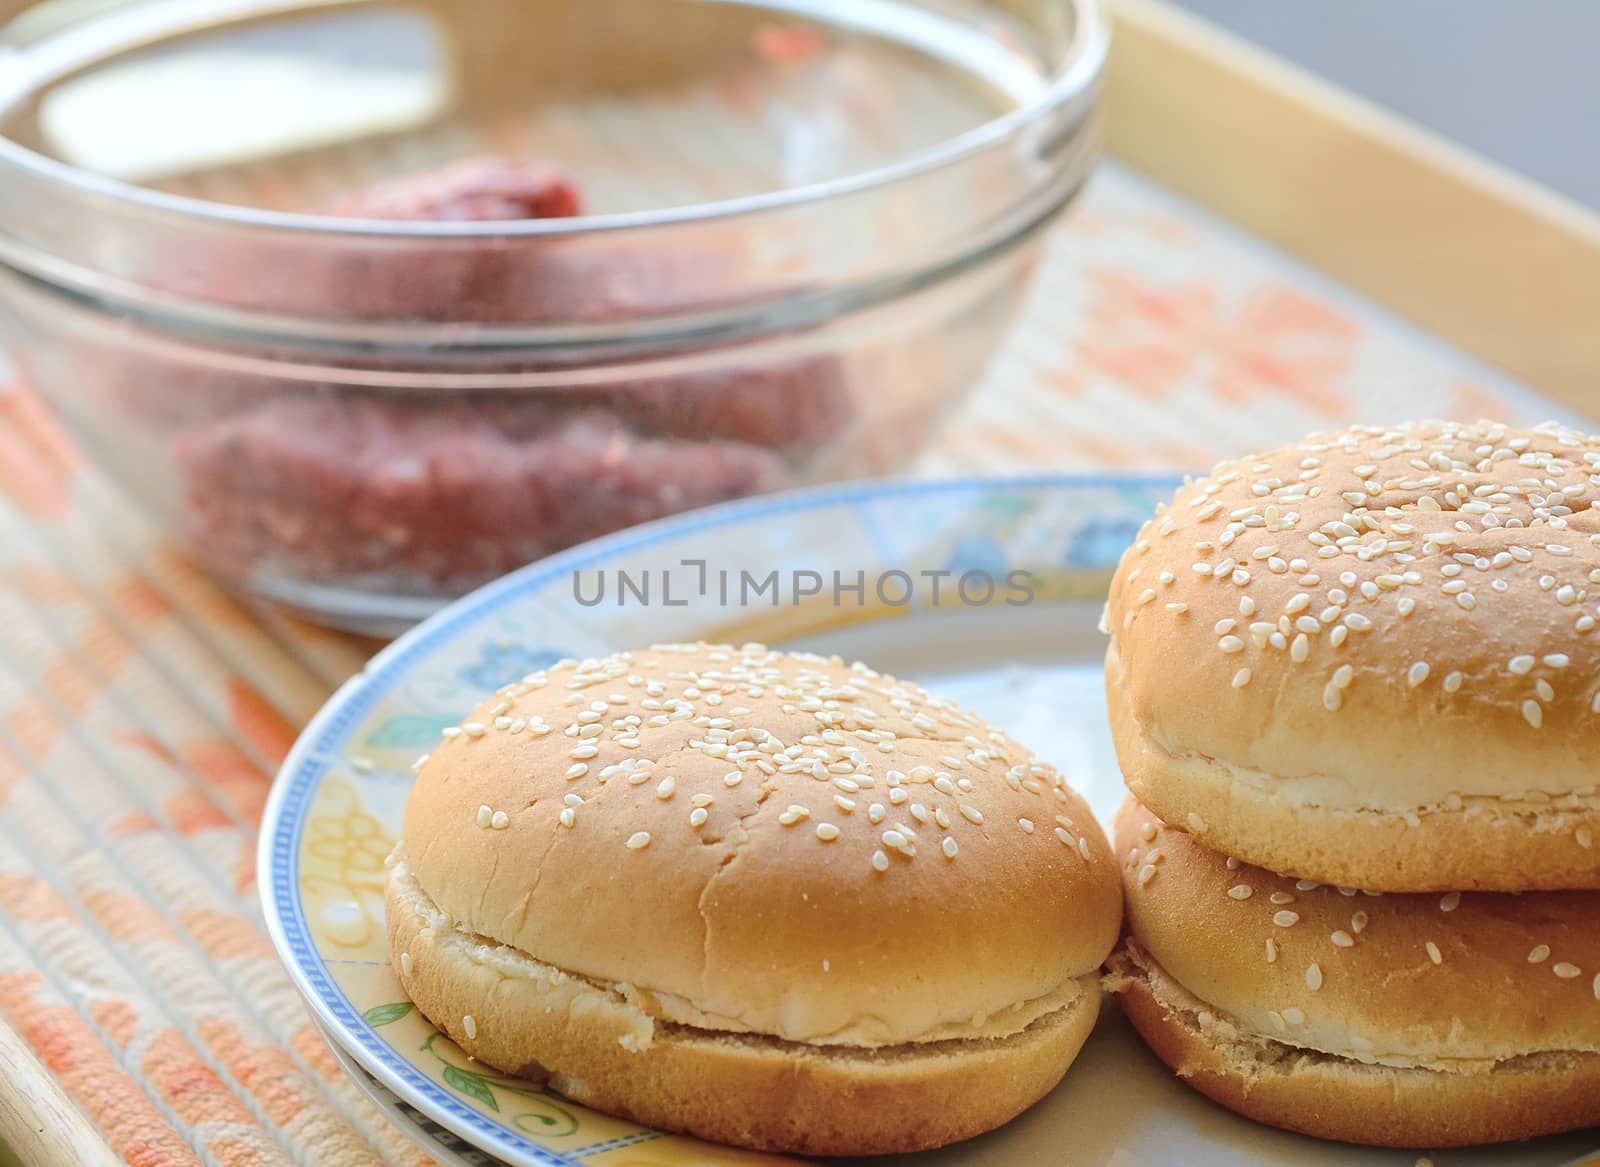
(787, 872)
(1371, 658)
(1401, 1020)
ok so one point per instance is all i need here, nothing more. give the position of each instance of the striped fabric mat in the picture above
(143, 711)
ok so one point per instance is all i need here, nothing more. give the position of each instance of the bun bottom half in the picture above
(589, 1044)
(1331, 1097)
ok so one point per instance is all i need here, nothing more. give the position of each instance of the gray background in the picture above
(1515, 80)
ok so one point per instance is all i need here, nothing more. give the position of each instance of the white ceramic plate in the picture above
(1033, 669)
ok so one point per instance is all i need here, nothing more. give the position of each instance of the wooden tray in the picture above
(1488, 261)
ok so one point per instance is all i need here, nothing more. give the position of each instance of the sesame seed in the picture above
(499, 821)
(1539, 954)
(1522, 665)
(1417, 674)
(485, 813)
(1286, 919)
(1314, 977)
(827, 832)
(1533, 713)
(1230, 645)
(880, 861)
(665, 788)
(469, 1025)
(971, 813)
(474, 729)
(1584, 837)
(1433, 952)
(1272, 950)
(638, 840)
(1241, 891)
(1294, 1016)
(1450, 902)
(1147, 873)
(1452, 682)
(1342, 939)
(698, 816)
(1026, 825)
(577, 770)
(1566, 970)
(1280, 898)
(949, 847)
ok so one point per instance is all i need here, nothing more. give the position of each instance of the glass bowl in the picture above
(370, 302)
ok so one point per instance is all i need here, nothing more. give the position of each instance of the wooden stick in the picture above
(38, 1122)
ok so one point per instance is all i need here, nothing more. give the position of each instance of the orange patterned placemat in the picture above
(143, 711)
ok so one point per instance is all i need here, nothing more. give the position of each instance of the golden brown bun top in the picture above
(785, 843)
(1403, 614)
(1404, 979)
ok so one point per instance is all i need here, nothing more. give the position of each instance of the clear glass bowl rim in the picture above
(1075, 80)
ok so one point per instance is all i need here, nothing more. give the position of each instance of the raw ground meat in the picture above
(323, 488)
(473, 190)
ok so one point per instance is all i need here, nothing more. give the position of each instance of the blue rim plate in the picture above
(335, 808)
